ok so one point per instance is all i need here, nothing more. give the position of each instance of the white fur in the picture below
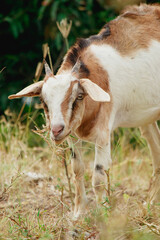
(134, 83)
(103, 156)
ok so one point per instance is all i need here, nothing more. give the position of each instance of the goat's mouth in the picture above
(59, 139)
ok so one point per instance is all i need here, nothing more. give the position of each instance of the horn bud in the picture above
(47, 69)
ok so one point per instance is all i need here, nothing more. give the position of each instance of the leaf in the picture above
(38, 213)
(8, 19)
(54, 9)
(26, 20)
(58, 40)
(41, 12)
(14, 29)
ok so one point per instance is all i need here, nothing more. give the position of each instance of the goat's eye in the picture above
(80, 97)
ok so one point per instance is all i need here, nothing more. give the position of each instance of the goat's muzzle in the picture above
(57, 130)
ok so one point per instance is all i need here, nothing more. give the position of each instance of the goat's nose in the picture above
(57, 129)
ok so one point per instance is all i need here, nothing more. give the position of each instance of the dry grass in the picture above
(35, 199)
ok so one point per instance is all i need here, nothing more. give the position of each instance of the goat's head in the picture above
(63, 97)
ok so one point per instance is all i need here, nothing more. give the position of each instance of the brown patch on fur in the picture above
(94, 113)
(65, 103)
(96, 72)
(95, 119)
(81, 69)
(134, 28)
(74, 53)
(90, 117)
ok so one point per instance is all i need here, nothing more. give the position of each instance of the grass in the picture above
(35, 197)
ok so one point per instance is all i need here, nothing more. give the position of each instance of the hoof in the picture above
(81, 210)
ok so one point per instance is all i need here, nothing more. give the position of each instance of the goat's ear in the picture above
(94, 91)
(32, 90)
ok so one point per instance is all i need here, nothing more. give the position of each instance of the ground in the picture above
(37, 189)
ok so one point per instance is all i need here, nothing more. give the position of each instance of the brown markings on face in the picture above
(77, 108)
(67, 98)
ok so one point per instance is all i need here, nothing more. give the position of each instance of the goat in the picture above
(106, 81)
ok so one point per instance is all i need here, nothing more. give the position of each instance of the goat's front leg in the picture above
(101, 166)
(78, 170)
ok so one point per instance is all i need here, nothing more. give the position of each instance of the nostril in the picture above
(57, 129)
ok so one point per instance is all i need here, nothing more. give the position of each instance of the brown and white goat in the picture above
(106, 81)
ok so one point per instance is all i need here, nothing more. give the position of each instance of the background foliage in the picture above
(26, 25)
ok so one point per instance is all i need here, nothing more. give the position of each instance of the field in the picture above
(37, 190)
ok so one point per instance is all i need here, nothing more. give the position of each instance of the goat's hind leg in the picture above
(78, 170)
(152, 134)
